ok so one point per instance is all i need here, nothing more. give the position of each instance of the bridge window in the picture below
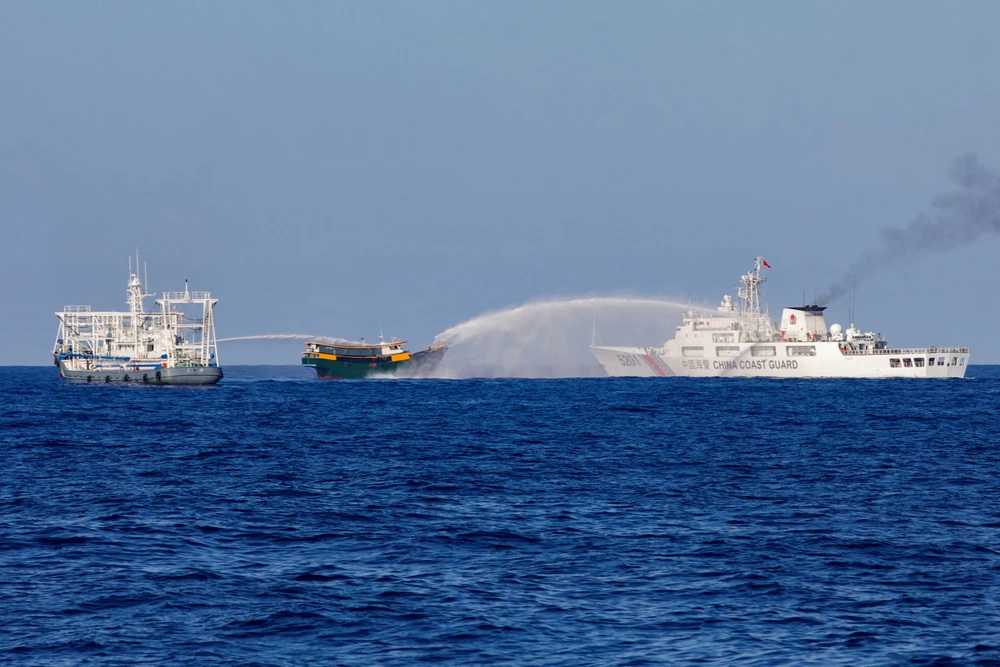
(940, 361)
(762, 351)
(954, 361)
(894, 363)
(907, 363)
(801, 350)
(693, 351)
(919, 362)
(727, 351)
(961, 362)
(723, 338)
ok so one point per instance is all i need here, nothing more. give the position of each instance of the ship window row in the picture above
(761, 351)
(755, 351)
(358, 352)
(351, 351)
(918, 362)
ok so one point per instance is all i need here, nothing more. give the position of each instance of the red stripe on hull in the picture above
(655, 366)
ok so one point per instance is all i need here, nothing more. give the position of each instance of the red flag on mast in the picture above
(765, 262)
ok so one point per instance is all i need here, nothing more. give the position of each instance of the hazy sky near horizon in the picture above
(324, 167)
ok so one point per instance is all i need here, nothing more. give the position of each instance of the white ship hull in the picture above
(828, 362)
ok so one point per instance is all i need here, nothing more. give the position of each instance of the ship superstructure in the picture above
(173, 344)
(742, 341)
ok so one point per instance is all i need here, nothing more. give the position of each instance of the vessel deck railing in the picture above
(184, 296)
(76, 309)
(74, 355)
(910, 351)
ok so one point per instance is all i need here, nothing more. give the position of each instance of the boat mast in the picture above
(135, 297)
(757, 322)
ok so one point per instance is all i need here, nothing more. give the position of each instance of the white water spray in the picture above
(552, 338)
(544, 313)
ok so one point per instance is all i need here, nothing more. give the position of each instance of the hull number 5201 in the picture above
(628, 360)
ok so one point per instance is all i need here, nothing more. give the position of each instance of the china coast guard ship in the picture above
(743, 342)
(175, 344)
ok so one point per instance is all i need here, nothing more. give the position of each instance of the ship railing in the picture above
(76, 309)
(73, 355)
(718, 327)
(184, 296)
(912, 351)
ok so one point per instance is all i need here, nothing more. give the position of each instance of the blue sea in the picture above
(279, 520)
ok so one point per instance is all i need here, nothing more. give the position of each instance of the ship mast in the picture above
(135, 297)
(757, 324)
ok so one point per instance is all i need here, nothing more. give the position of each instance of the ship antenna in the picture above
(593, 333)
(145, 278)
(380, 338)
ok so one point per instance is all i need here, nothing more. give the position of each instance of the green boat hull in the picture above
(419, 364)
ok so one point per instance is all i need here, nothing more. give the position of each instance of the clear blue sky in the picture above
(323, 166)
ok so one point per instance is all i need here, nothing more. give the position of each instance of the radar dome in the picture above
(835, 329)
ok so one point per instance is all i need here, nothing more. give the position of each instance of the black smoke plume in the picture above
(956, 218)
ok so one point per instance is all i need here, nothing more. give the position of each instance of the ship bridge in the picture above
(803, 323)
